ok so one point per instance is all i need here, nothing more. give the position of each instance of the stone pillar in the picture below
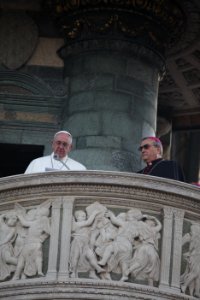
(177, 248)
(166, 248)
(63, 272)
(113, 57)
(54, 239)
(112, 103)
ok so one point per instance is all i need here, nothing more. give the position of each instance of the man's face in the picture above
(148, 151)
(80, 215)
(12, 220)
(61, 145)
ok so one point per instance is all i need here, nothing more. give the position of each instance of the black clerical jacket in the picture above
(164, 168)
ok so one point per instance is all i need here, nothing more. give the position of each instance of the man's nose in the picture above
(63, 145)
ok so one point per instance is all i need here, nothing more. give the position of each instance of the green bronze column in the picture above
(114, 56)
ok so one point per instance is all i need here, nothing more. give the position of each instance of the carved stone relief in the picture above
(22, 233)
(104, 244)
(190, 279)
(8, 230)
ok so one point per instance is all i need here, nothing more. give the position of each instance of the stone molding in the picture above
(128, 48)
(84, 289)
(99, 183)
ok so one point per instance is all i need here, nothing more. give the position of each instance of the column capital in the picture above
(155, 24)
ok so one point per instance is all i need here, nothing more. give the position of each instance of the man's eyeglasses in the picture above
(146, 147)
(64, 144)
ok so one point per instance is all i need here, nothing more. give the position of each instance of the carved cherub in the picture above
(21, 230)
(8, 261)
(81, 249)
(31, 256)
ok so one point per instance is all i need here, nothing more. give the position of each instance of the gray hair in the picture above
(156, 143)
(65, 132)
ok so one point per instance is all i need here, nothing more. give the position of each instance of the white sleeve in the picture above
(37, 165)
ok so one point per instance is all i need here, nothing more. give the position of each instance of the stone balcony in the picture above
(98, 235)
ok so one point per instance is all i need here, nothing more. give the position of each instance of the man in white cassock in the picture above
(59, 159)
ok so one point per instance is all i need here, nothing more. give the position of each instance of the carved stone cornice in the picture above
(84, 289)
(112, 187)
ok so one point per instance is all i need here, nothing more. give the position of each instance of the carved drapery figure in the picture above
(123, 244)
(81, 254)
(22, 231)
(106, 232)
(8, 261)
(38, 229)
(103, 244)
(22, 234)
(117, 254)
(191, 277)
(145, 263)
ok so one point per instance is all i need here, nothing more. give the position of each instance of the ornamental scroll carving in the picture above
(190, 279)
(104, 244)
(152, 20)
(22, 233)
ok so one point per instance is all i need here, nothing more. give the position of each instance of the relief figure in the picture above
(82, 256)
(118, 253)
(8, 261)
(31, 255)
(145, 263)
(191, 277)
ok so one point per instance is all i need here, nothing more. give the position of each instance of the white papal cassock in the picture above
(49, 163)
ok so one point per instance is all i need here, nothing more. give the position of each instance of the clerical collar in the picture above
(152, 163)
(63, 159)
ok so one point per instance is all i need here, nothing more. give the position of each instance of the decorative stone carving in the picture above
(124, 244)
(8, 260)
(75, 19)
(190, 279)
(145, 263)
(121, 193)
(38, 229)
(82, 254)
(22, 234)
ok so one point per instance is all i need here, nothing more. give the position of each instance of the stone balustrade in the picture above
(98, 235)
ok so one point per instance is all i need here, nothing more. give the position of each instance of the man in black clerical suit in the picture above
(151, 151)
